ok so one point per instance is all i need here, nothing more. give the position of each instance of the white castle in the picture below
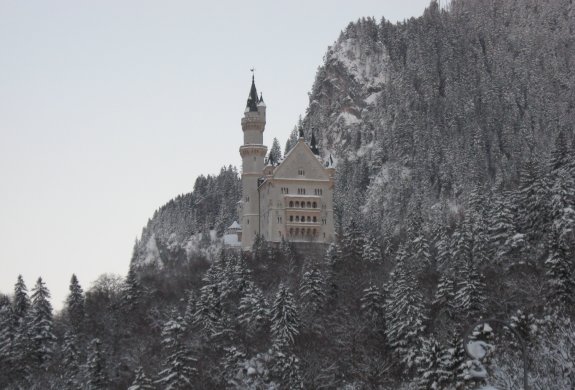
(291, 200)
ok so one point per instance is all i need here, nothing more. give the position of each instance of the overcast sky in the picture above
(108, 109)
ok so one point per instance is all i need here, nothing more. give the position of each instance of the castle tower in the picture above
(253, 153)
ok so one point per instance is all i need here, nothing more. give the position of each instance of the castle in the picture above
(289, 200)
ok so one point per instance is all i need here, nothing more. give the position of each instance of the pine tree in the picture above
(96, 367)
(559, 269)
(373, 305)
(503, 236)
(560, 157)
(21, 300)
(454, 364)
(132, 291)
(285, 367)
(6, 337)
(71, 358)
(275, 153)
(41, 327)
(470, 296)
(431, 365)
(178, 372)
(284, 319)
(141, 381)
(371, 252)
(75, 304)
(253, 311)
(405, 316)
(445, 294)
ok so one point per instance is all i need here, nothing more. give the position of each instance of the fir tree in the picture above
(431, 365)
(132, 291)
(71, 358)
(285, 367)
(253, 311)
(284, 319)
(373, 305)
(141, 381)
(445, 294)
(96, 367)
(405, 316)
(178, 372)
(470, 296)
(560, 271)
(41, 327)
(275, 153)
(6, 337)
(454, 363)
(21, 300)
(75, 304)
(371, 252)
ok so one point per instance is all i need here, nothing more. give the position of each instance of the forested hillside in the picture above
(455, 200)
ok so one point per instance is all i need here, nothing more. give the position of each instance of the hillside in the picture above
(455, 200)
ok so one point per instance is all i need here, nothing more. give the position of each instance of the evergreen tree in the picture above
(285, 367)
(405, 316)
(178, 372)
(6, 337)
(431, 365)
(141, 381)
(253, 311)
(292, 140)
(71, 358)
(560, 270)
(284, 319)
(41, 327)
(445, 294)
(470, 296)
(96, 367)
(454, 363)
(75, 304)
(503, 236)
(21, 300)
(132, 291)
(373, 305)
(275, 153)
(371, 252)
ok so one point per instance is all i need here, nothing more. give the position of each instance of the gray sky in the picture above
(108, 109)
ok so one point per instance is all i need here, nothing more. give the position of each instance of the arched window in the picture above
(290, 204)
(302, 205)
(297, 218)
(308, 219)
(296, 204)
(315, 205)
(315, 219)
(308, 204)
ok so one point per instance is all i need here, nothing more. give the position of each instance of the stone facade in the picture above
(290, 201)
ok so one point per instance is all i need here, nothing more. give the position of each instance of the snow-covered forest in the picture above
(454, 139)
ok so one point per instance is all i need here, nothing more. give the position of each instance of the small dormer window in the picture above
(300, 172)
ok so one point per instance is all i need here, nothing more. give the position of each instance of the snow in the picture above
(372, 99)
(231, 240)
(235, 225)
(488, 387)
(478, 349)
(348, 118)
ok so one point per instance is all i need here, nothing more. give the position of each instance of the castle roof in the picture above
(252, 103)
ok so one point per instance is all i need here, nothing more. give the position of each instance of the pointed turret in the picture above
(252, 104)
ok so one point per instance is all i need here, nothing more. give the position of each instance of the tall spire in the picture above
(252, 103)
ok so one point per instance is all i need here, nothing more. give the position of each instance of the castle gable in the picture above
(300, 162)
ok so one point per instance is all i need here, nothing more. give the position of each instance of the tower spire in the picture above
(252, 103)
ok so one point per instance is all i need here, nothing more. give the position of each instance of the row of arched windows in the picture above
(302, 232)
(297, 218)
(303, 204)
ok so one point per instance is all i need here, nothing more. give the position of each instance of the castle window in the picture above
(314, 205)
(290, 204)
(308, 218)
(300, 172)
(308, 204)
(297, 218)
(301, 191)
(315, 219)
(302, 205)
(296, 204)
